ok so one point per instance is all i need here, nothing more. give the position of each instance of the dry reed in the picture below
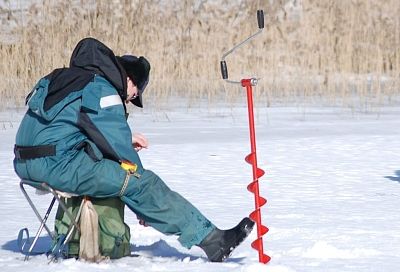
(312, 51)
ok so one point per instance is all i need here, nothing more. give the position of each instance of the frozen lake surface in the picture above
(332, 183)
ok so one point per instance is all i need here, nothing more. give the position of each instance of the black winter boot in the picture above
(219, 244)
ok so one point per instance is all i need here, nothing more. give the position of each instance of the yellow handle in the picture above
(128, 166)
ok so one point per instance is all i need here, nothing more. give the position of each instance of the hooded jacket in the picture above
(81, 111)
(90, 57)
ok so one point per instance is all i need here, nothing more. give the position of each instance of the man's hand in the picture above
(139, 142)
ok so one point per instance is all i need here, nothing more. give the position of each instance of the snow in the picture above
(332, 183)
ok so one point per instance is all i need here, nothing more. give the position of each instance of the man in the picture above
(75, 137)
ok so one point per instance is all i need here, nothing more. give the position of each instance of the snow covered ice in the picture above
(332, 183)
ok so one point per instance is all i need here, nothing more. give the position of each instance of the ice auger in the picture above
(251, 158)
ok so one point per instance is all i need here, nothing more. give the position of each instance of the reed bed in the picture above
(323, 52)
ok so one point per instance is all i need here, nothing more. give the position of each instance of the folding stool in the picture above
(43, 188)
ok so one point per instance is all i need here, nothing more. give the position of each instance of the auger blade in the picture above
(260, 172)
(258, 245)
(254, 215)
(263, 229)
(262, 201)
(251, 158)
(264, 258)
(252, 187)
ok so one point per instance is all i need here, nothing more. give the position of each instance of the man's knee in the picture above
(146, 186)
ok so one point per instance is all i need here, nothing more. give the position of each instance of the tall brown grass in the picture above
(311, 51)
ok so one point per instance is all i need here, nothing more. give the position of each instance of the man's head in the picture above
(137, 69)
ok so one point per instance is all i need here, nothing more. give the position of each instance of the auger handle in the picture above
(224, 69)
(260, 18)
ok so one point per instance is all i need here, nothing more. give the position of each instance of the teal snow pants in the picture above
(165, 210)
(145, 194)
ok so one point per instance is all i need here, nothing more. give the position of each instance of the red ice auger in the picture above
(253, 187)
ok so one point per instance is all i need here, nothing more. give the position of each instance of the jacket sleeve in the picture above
(102, 118)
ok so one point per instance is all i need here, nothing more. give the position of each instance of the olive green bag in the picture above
(114, 234)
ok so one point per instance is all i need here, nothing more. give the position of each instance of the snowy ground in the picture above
(332, 184)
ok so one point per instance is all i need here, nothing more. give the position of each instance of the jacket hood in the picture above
(92, 55)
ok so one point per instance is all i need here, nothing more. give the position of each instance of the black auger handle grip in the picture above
(224, 70)
(260, 18)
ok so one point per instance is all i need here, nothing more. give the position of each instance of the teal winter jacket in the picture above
(87, 126)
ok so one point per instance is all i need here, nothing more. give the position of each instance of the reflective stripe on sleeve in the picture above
(110, 100)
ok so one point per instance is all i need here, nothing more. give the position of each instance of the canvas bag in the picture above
(89, 249)
(114, 234)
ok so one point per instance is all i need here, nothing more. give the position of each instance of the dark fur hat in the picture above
(138, 70)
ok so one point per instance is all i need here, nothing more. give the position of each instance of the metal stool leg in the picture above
(74, 219)
(22, 183)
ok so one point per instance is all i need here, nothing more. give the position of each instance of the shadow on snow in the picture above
(43, 244)
(157, 249)
(396, 177)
